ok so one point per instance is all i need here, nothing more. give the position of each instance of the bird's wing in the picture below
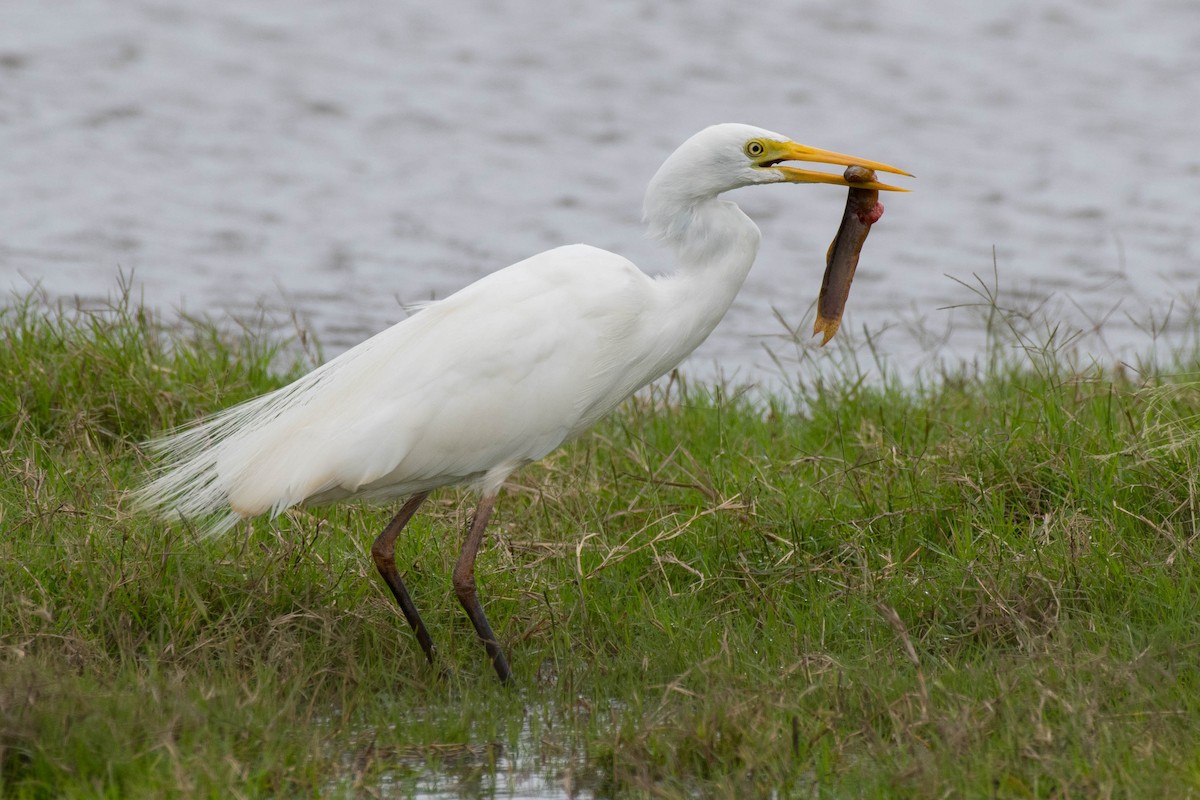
(490, 377)
(494, 374)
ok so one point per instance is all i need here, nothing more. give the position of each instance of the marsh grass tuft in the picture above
(977, 583)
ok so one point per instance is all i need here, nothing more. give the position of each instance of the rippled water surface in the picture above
(343, 158)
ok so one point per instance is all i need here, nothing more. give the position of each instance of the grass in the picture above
(979, 585)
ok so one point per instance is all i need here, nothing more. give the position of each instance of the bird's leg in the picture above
(384, 553)
(464, 587)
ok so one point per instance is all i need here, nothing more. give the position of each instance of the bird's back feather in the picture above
(466, 389)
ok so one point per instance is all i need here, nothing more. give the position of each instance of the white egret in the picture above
(493, 377)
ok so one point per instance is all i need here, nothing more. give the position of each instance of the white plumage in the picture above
(495, 376)
(465, 389)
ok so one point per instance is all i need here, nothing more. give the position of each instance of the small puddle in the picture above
(540, 763)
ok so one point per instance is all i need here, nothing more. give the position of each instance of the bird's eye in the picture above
(755, 148)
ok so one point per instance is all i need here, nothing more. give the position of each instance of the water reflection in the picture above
(538, 764)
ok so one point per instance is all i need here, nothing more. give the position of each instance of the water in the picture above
(342, 159)
(541, 756)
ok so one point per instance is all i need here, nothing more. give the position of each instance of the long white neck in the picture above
(714, 244)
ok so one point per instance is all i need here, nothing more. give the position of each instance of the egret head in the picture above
(731, 155)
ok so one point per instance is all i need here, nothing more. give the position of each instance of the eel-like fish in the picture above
(863, 210)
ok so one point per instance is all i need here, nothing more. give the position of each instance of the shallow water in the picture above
(341, 159)
(543, 760)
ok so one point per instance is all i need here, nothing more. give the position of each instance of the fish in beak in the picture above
(863, 209)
